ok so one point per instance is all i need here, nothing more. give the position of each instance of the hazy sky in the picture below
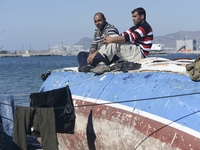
(36, 23)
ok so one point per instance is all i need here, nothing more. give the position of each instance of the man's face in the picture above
(137, 19)
(99, 21)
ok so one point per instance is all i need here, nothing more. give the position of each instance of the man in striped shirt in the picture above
(133, 44)
(89, 60)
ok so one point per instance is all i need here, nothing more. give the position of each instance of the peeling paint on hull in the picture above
(105, 127)
(139, 123)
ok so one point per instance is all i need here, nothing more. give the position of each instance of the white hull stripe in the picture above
(142, 113)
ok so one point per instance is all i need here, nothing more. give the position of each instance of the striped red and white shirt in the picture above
(140, 35)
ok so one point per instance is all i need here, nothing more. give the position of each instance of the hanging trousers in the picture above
(29, 119)
(65, 117)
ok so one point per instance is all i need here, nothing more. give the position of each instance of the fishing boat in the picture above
(155, 107)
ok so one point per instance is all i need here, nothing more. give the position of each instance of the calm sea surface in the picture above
(21, 75)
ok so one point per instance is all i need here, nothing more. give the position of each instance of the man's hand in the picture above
(90, 58)
(107, 39)
(117, 39)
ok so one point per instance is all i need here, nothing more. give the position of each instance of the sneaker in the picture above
(85, 68)
(100, 69)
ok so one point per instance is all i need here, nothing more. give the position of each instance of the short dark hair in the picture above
(140, 12)
(100, 13)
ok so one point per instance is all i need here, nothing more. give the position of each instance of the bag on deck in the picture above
(194, 69)
(125, 66)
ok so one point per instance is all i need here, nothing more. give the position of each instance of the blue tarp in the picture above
(142, 86)
(7, 116)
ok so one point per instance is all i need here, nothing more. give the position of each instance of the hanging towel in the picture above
(27, 119)
(65, 117)
(7, 117)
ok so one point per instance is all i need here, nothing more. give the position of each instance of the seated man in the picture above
(89, 60)
(133, 44)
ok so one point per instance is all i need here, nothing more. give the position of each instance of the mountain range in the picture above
(168, 40)
(85, 41)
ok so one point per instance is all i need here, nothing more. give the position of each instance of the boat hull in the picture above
(136, 110)
(106, 127)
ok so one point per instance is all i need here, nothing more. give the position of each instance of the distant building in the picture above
(4, 52)
(157, 47)
(186, 45)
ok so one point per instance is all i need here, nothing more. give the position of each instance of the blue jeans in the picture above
(82, 59)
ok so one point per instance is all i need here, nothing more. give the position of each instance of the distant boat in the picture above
(26, 55)
(156, 107)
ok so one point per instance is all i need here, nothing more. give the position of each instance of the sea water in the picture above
(20, 76)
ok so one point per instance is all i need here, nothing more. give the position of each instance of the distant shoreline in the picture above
(75, 54)
(36, 54)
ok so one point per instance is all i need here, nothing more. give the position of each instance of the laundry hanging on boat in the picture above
(61, 100)
(29, 120)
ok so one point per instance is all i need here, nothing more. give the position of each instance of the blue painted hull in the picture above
(143, 109)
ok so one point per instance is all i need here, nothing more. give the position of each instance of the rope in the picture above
(7, 104)
(22, 95)
(69, 85)
(145, 99)
(93, 78)
(164, 127)
(125, 101)
(137, 100)
(85, 80)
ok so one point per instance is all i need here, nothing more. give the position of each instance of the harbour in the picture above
(115, 101)
(51, 98)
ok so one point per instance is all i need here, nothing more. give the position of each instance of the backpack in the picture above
(125, 66)
(194, 69)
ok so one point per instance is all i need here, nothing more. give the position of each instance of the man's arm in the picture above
(92, 51)
(91, 56)
(118, 39)
(93, 48)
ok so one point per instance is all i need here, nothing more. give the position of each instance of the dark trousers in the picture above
(42, 119)
(58, 98)
(82, 59)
